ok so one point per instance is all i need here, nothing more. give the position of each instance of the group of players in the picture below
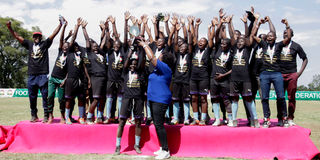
(115, 73)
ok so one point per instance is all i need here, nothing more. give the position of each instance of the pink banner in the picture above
(184, 141)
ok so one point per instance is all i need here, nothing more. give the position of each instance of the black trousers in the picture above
(158, 111)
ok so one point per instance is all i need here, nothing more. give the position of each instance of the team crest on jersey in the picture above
(37, 52)
(61, 62)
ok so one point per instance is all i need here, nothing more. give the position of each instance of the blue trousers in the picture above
(36, 82)
(266, 78)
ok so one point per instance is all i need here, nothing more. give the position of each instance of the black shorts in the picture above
(219, 88)
(237, 87)
(132, 103)
(199, 87)
(74, 88)
(180, 91)
(114, 88)
(98, 85)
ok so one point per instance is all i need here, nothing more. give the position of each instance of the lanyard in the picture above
(199, 56)
(182, 61)
(271, 52)
(158, 53)
(286, 50)
(116, 57)
(239, 55)
(131, 77)
(224, 58)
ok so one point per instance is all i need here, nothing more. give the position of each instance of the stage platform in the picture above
(184, 141)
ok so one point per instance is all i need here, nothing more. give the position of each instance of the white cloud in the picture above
(299, 19)
(40, 2)
(318, 1)
(309, 38)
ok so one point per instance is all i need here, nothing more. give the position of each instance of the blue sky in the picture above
(302, 16)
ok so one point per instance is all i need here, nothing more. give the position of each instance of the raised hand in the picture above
(166, 17)
(182, 20)
(215, 21)
(154, 19)
(102, 25)
(221, 13)
(262, 21)
(127, 15)
(252, 10)
(256, 15)
(190, 19)
(70, 33)
(198, 21)
(133, 20)
(244, 18)
(139, 22)
(284, 21)
(144, 19)
(79, 21)
(267, 19)
(84, 24)
(178, 26)
(112, 19)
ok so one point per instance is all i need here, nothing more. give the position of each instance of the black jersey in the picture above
(201, 63)
(59, 70)
(182, 68)
(240, 65)
(288, 57)
(38, 58)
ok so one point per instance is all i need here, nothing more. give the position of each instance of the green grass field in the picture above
(13, 110)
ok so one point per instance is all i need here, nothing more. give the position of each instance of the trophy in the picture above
(134, 32)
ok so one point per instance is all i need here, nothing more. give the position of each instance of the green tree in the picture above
(302, 88)
(315, 84)
(13, 56)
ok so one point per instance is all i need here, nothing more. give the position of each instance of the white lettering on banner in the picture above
(6, 92)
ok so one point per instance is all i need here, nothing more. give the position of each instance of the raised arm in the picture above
(68, 36)
(196, 33)
(148, 52)
(271, 26)
(76, 28)
(165, 20)
(190, 40)
(126, 63)
(56, 31)
(154, 22)
(145, 23)
(86, 37)
(172, 31)
(245, 20)
(254, 30)
(14, 34)
(183, 25)
(114, 28)
(175, 41)
(108, 42)
(62, 34)
(288, 38)
(231, 29)
(125, 36)
(211, 33)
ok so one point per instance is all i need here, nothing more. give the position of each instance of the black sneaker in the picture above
(117, 151)
(148, 122)
(45, 119)
(280, 123)
(137, 148)
(286, 123)
(34, 119)
(266, 123)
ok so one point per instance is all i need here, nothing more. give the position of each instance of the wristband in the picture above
(287, 27)
(144, 46)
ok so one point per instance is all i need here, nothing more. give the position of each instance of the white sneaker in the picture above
(216, 123)
(230, 123)
(163, 155)
(291, 123)
(158, 151)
